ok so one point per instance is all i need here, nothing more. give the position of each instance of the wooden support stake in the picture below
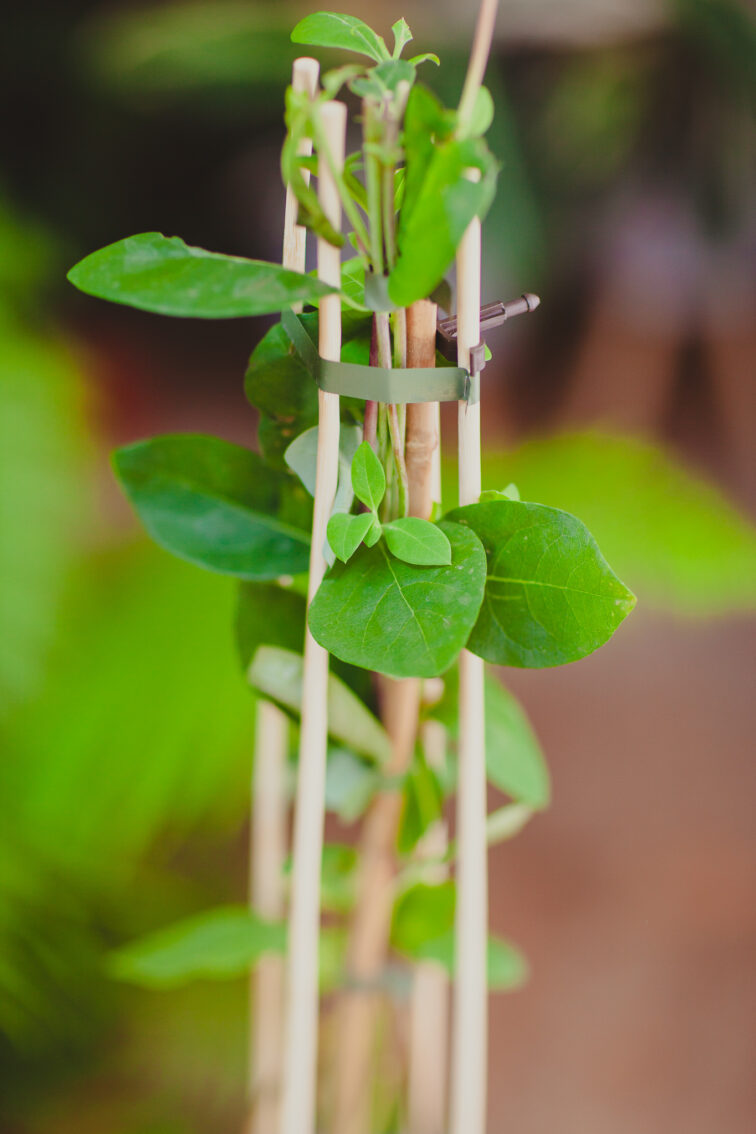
(470, 1027)
(268, 835)
(400, 704)
(301, 1025)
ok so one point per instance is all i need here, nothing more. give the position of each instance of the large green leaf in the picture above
(551, 597)
(46, 502)
(335, 29)
(683, 544)
(514, 760)
(168, 277)
(268, 615)
(214, 504)
(218, 944)
(279, 385)
(165, 738)
(277, 673)
(434, 220)
(395, 618)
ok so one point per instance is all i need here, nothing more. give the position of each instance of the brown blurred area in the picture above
(626, 134)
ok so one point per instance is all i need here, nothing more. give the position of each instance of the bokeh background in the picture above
(625, 129)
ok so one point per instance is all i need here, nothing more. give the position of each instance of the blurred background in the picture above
(625, 129)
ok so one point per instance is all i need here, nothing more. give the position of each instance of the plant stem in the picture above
(301, 1034)
(469, 1040)
(268, 834)
(395, 432)
(372, 135)
(371, 920)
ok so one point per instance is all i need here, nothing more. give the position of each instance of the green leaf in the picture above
(417, 541)
(422, 805)
(168, 277)
(506, 822)
(277, 673)
(333, 81)
(350, 784)
(213, 504)
(402, 36)
(338, 877)
(686, 547)
(514, 759)
(302, 458)
(218, 944)
(374, 534)
(268, 615)
(405, 621)
(422, 913)
(433, 222)
(346, 533)
(482, 115)
(551, 597)
(426, 57)
(368, 477)
(383, 80)
(335, 29)
(507, 968)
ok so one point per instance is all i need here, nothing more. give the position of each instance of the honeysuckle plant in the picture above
(407, 597)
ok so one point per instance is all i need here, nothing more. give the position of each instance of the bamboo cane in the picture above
(268, 835)
(429, 998)
(470, 1025)
(400, 702)
(469, 1039)
(301, 1024)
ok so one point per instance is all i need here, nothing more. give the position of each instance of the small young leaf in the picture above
(402, 36)
(551, 597)
(405, 621)
(168, 277)
(350, 784)
(368, 477)
(374, 534)
(482, 115)
(214, 504)
(422, 913)
(384, 79)
(417, 541)
(218, 944)
(506, 967)
(422, 805)
(277, 674)
(426, 57)
(335, 29)
(346, 533)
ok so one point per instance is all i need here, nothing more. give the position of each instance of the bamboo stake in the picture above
(400, 703)
(469, 1039)
(300, 1050)
(470, 1028)
(268, 835)
(429, 998)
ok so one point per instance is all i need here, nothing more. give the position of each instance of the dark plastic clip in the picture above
(492, 315)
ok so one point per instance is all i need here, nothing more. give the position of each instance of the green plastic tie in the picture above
(374, 384)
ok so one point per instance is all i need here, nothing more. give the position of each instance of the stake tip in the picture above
(532, 300)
